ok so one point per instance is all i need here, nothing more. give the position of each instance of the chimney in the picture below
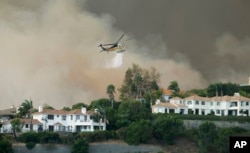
(236, 94)
(84, 110)
(40, 109)
(157, 101)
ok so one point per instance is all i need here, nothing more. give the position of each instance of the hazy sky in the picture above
(49, 48)
(212, 35)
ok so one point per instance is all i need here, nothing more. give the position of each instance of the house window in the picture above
(218, 103)
(211, 103)
(71, 117)
(171, 110)
(64, 117)
(241, 103)
(222, 112)
(77, 117)
(189, 102)
(218, 111)
(50, 117)
(203, 112)
(203, 103)
(26, 125)
(196, 102)
(247, 104)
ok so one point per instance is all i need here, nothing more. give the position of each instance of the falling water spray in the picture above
(116, 61)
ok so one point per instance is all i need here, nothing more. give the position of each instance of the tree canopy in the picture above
(26, 108)
(138, 81)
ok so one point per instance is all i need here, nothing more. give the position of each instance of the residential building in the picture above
(169, 107)
(70, 121)
(60, 121)
(26, 123)
(220, 106)
(166, 94)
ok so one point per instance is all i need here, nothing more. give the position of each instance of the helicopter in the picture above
(113, 47)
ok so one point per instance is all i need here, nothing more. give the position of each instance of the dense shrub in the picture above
(42, 137)
(80, 146)
(240, 119)
(5, 146)
(30, 145)
(167, 128)
(29, 137)
(138, 132)
(98, 135)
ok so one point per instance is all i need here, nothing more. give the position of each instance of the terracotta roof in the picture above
(26, 121)
(223, 98)
(167, 91)
(165, 104)
(10, 111)
(63, 112)
(176, 98)
(50, 111)
(196, 97)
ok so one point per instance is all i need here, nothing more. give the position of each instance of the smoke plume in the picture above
(212, 36)
(49, 53)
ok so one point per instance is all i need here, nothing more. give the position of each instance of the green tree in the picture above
(109, 111)
(110, 92)
(221, 89)
(47, 106)
(167, 128)
(138, 132)
(17, 126)
(138, 81)
(131, 111)
(66, 108)
(80, 146)
(222, 142)
(25, 110)
(103, 102)
(174, 86)
(79, 105)
(206, 137)
(5, 146)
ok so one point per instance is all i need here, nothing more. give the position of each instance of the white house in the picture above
(221, 106)
(70, 121)
(169, 107)
(59, 121)
(26, 123)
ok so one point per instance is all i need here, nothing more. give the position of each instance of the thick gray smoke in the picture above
(212, 35)
(49, 51)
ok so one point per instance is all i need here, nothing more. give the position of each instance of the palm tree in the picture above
(26, 110)
(17, 126)
(110, 92)
(101, 112)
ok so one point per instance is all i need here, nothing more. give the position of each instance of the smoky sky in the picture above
(212, 35)
(49, 48)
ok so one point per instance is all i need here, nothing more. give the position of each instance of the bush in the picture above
(98, 135)
(80, 146)
(138, 132)
(5, 146)
(167, 128)
(29, 137)
(30, 145)
(42, 137)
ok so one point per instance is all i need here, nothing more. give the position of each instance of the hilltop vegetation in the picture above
(131, 120)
